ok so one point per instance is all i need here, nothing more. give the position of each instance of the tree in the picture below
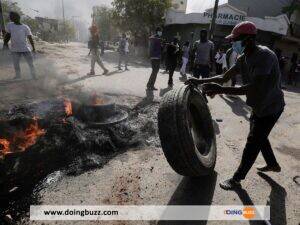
(104, 20)
(139, 17)
(9, 6)
(290, 10)
(294, 6)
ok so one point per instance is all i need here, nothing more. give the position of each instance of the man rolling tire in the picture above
(260, 70)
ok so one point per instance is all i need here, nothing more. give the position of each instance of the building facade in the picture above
(182, 25)
(266, 7)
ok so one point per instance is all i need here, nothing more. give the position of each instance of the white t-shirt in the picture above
(19, 34)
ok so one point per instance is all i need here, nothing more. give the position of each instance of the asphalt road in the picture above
(144, 174)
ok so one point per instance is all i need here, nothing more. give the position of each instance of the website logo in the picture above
(246, 212)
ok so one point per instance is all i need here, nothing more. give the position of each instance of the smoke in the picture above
(81, 9)
(50, 81)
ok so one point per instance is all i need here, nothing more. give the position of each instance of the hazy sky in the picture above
(82, 8)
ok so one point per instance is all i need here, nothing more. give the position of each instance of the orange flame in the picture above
(22, 140)
(68, 107)
(4, 146)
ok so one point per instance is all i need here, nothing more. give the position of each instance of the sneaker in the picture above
(230, 184)
(105, 72)
(91, 74)
(267, 168)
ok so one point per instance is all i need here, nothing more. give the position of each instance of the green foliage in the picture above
(139, 17)
(104, 20)
(8, 6)
(32, 23)
(68, 30)
(291, 8)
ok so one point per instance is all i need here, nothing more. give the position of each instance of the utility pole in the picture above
(64, 19)
(2, 25)
(213, 21)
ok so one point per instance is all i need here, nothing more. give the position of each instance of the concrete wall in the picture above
(260, 8)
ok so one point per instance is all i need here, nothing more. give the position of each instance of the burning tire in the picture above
(186, 132)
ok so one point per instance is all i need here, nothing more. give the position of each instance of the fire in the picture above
(68, 107)
(4, 146)
(23, 139)
(96, 100)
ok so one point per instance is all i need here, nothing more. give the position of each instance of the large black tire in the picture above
(186, 132)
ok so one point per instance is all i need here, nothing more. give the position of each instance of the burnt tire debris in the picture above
(186, 132)
(68, 145)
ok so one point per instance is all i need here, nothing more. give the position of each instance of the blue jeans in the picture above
(29, 59)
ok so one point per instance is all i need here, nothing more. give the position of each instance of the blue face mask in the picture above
(237, 47)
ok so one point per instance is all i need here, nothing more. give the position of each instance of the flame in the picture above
(4, 146)
(68, 107)
(22, 140)
(96, 100)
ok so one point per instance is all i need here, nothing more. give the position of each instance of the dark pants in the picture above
(260, 128)
(171, 68)
(219, 69)
(201, 70)
(233, 80)
(155, 63)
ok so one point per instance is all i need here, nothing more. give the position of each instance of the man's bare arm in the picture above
(6, 40)
(212, 89)
(31, 42)
(229, 74)
(243, 90)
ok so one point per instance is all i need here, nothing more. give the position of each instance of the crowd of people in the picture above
(259, 67)
(196, 58)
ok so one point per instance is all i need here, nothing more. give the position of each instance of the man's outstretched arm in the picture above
(232, 72)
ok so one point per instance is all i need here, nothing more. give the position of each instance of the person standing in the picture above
(292, 73)
(172, 58)
(260, 70)
(220, 58)
(18, 34)
(230, 61)
(185, 58)
(203, 49)
(155, 47)
(94, 46)
(126, 53)
(122, 52)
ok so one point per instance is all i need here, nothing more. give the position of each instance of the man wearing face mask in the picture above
(203, 49)
(155, 48)
(260, 71)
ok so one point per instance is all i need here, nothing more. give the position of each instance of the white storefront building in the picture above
(181, 24)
